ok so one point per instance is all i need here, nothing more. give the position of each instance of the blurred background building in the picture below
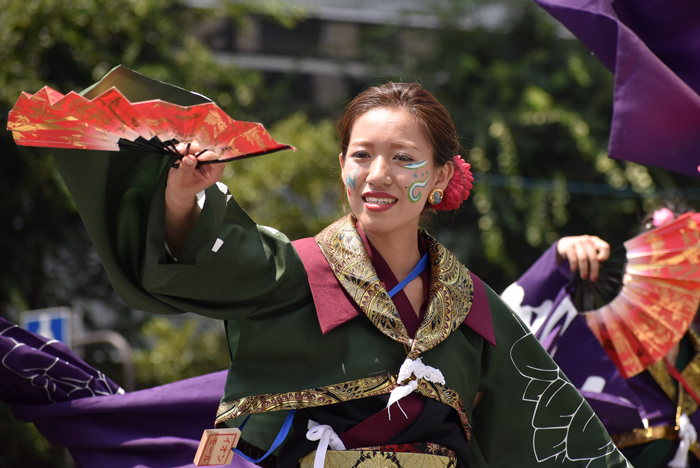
(324, 50)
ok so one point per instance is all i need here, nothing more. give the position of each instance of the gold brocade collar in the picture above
(691, 374)
(451, 289)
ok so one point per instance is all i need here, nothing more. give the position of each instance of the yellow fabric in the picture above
(377, 459)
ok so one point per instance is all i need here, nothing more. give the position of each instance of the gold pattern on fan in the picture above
(215, 120)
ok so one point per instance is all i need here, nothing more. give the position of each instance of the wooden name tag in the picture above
(216, 447)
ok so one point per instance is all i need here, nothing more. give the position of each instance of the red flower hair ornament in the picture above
(664, 216)
(458, 187)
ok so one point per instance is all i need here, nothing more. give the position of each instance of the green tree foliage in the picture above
(297, 193)
(175, 352)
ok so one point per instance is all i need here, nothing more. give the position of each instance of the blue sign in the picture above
(54, 323)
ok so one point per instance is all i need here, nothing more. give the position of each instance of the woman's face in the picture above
(389, 170)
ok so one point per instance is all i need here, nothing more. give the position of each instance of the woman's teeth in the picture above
(380, 201)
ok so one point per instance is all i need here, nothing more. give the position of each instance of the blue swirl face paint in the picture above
(350, 180)
(416, 165)
(412, 197)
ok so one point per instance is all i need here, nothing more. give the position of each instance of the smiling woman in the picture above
(392, 167)
(369, 344)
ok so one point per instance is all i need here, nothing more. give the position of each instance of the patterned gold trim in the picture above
(428, 448)
(643, 436)
(342, 246)
(321, 396)
(691, 374)
(379, 459)
(451, 290)
(663, 378)
(329, 395)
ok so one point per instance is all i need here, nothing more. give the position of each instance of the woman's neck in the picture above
(399, 250)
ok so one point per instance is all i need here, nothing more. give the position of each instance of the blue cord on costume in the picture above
(422, 264)
(281, 435)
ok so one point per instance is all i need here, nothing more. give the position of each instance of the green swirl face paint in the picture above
(412, 197)
(417, 165)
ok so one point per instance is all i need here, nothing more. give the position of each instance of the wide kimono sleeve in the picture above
(531, 415)
(539, 289)
(229, 267)
(542, 300)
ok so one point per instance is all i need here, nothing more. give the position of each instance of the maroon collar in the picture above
(403, 305)
(334, 306)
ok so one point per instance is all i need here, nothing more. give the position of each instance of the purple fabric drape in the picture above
(653, 48)
(75, 406)
(155, 428)
(35, 370)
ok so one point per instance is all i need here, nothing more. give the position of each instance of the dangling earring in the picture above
(435, 196)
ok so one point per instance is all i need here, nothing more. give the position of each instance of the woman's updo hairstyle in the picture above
(436, 122)
(667, 211)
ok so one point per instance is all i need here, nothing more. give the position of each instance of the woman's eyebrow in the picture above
(405, 145)
(360, 143)
(397, 144)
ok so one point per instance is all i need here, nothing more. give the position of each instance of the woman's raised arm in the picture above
(184, 183)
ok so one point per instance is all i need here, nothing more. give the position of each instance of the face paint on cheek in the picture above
(350, 181)
(417, 165)
(414, 196)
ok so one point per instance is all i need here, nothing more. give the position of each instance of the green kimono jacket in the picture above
(290, 351)
(284, 356)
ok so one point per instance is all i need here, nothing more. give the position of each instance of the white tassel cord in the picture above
(326, 437)
(399, 393)
(409, 368)
(688, 436)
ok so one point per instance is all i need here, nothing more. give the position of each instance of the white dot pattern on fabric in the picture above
(201, 198)
(270, 229)
(217, 245)
(223, 187)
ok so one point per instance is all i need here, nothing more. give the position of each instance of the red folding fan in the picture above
(659, 297)
(110, 122)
